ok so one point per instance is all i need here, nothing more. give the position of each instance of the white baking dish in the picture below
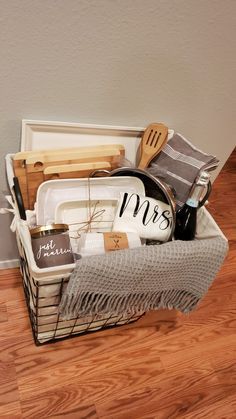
(53, 192)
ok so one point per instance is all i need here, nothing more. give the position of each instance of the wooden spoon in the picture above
(153, 140)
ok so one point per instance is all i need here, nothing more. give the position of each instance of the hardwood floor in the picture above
(167, 365)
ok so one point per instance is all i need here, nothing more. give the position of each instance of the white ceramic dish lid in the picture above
(44, 135)
(53, 192)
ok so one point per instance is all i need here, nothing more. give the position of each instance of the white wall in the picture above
(121, 62)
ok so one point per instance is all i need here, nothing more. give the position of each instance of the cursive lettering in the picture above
(49, 249)
(164, 217)
(167, 222)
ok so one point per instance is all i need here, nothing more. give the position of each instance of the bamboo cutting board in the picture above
(40, 162)
(70, 171)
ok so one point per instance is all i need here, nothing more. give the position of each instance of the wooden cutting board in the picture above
(70, 171)
(39, 163)
(33, 162)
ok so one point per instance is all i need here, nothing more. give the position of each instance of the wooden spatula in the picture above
(153, 140)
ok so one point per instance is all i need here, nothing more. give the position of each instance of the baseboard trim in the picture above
(11, 263)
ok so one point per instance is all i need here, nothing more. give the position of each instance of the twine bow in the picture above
(94, 215)
(87, 225)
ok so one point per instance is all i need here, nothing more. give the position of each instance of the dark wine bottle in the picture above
(186, 217)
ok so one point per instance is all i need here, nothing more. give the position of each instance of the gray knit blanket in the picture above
(174, 275)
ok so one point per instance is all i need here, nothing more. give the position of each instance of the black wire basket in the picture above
(43, 298)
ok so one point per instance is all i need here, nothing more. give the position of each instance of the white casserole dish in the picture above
(53, 192)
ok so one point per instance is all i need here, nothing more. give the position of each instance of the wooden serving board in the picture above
(70, 171)
(23, 155)
(36, 164)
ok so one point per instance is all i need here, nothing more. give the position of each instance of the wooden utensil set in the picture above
(34, 167)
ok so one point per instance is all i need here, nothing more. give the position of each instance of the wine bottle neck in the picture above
(195, 195)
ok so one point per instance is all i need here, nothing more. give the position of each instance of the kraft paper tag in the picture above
(115, 241)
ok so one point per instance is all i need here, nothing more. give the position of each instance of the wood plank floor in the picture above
(167, 365)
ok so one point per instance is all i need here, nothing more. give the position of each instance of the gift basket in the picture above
(110, 223)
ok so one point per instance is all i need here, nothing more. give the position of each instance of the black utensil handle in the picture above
(19, 199)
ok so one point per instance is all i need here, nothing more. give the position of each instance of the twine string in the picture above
(94, 215)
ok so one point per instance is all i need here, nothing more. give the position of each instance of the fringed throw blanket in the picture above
(173, 275)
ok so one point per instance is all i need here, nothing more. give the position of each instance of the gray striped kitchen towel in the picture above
(179, 163)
